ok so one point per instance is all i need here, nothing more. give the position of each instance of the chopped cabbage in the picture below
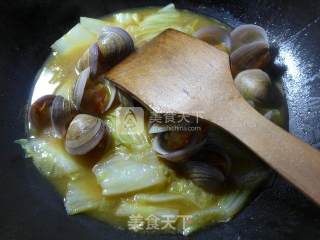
(133, 135)
(128, 208)
(171, 200)
(93, 25)
(168, 8)
(143, 29)
(127, 18)
(192, 193)
(160, 20)
(77, 37)
(83, 194)
(123, 173)
(165, 18)
(49, 158)
(158, 197)
(225, 208)
(200, 218)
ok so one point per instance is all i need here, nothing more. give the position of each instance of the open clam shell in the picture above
(124, 99)
(158, 128)
(178, 154)
(79, 87)
(216, 157)
(62, 112)
(112, 93)
(39, 112)
(209, 169)
(204, 175)
(90, 58)
(93, 96)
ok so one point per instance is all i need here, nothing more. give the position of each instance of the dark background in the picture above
(29, 206)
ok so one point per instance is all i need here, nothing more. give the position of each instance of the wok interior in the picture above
(300, 73)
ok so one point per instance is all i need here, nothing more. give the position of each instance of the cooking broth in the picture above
(73, 176)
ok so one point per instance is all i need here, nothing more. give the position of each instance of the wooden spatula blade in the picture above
(176, 73)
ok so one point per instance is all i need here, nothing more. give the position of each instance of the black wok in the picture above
(31, 209)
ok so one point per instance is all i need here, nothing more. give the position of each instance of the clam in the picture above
(158, 128)
(62, 112)
(275, 116)
(247, 34)
(39, 112)
(124, 99)
(215, 36)
(85, 133)
(114, 44)
(177, 146)
(79, 87)
(208, 169)
(252, 55)
(90, 58)
(204, 175)
(54, 111)
(93, 96)
(254, 85)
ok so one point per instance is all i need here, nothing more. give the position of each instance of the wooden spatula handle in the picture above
(293, 159)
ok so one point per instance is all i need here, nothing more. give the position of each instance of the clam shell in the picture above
(158, 128)
(246, 34)
(85, 132)
(90, 58)
(79, 89)
(216, 157)
(253, 55)
(39, 112)
(254, 85)
(204, 175)
(124, 99)
(113, 92)
(62, 112)
(214, 35)
(179, 155)
(114, 44)
(275, 116)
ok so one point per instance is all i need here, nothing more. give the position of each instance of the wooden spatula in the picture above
(176, 73)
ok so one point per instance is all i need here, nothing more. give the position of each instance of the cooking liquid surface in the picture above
(57, 77)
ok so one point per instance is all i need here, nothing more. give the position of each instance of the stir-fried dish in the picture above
(112, 159)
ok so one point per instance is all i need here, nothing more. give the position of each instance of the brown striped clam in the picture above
(114, 44)
(93, 96)
(250, 48)
(52, 111)
(209, 169)
(254, 85)
(62, 112)
(176, 146)
(216, 36)
(84, 134)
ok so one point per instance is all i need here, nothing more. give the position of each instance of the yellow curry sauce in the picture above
(73, 176)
